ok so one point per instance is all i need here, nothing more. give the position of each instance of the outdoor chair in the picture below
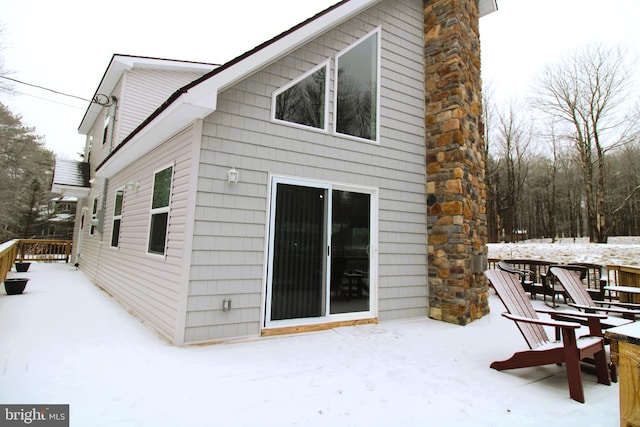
(542, 351)
(554, 290)
(572, 284)
(570, 278)
(527, 278)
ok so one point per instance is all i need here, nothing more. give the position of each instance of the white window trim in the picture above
(325, 129)
(164, 209)
(378, 32)
(117, 217)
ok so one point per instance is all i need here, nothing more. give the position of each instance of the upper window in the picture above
(94, 216)
(304, 101)
(160, 211)
(117, 218)
(105, 131)
(357, 88)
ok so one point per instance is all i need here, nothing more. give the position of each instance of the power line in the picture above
(49, 100)
(44, 88)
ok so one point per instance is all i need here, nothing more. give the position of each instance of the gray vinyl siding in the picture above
(144, 91)
(148, 285)
(230, 231)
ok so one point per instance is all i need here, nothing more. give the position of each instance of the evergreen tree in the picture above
(26, 168)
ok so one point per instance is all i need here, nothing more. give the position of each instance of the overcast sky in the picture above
(66, 45)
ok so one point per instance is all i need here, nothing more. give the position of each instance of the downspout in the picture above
(85, 209)
(112, 113)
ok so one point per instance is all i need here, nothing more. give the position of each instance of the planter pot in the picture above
(15, 286)
(22, 267)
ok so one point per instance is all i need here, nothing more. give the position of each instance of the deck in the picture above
(66, 341)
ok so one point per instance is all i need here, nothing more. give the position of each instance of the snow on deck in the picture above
(65, 341)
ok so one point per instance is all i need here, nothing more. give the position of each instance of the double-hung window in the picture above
(117, 218)
(160, 200)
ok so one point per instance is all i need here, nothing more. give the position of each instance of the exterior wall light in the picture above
(132, 185)
(232, 175)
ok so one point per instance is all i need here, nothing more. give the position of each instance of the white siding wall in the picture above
(149, 285)
(229, 233)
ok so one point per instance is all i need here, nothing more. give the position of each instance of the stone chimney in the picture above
(456, 194)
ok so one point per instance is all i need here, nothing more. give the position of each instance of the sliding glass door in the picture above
(319, 251)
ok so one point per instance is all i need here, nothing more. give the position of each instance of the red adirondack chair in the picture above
(543, 351)
(570, 281)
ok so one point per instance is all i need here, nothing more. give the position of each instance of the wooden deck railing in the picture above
(44, 250)
(596, 275)
(8, 252)
(32, 250)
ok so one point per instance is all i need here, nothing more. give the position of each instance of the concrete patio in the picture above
(65, 341)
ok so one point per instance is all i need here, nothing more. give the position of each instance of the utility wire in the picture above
(44, 88)
(48, 100)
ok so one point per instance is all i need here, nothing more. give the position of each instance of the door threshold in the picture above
(316, 327)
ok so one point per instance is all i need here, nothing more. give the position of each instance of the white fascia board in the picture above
(166, 64)
(69, 191)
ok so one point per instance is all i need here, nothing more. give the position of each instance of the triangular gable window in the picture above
(304, 100)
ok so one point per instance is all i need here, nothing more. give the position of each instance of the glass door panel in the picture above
(350, 258)
(299, 250)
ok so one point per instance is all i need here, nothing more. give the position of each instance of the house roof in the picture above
(119, 64)
(71, 178)
(198, 99)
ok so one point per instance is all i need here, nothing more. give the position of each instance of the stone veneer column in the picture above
(456, 195)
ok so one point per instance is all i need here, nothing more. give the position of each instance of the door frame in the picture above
(274, 180)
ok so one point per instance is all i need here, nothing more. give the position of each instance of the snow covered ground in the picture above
(64, 341)
(619, 251)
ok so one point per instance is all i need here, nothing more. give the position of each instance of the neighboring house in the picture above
(71, 180)
(61, 221)
(282, 191)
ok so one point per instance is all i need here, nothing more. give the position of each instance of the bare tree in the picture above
(623, 190)
(490, 165)
(511, 139)
(585, 93)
